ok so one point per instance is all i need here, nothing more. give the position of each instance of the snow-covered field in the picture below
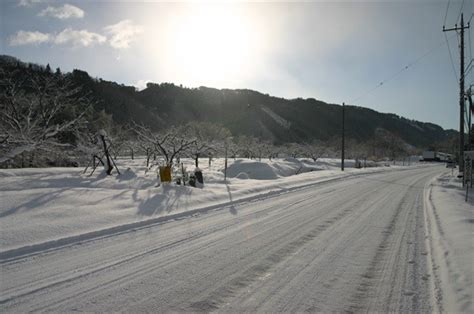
(43, 205)
(297, 235)
(450, 221)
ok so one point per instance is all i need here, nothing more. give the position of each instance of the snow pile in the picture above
(279, 168)
(244, 169)
(450, 221)
(269, 170)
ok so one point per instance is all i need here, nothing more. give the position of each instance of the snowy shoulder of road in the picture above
(451, 219)
(48, 206)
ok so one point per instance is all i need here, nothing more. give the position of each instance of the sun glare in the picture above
(213, 45)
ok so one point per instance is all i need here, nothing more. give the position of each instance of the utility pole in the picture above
(343, 134)
(461, 90)
(469, 120)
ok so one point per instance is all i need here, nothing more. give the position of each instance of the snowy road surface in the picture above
(350, 245)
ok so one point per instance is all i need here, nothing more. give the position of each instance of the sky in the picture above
(334, 51)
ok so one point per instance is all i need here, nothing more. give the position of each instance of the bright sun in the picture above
(213, 45)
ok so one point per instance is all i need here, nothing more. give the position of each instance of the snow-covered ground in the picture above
(411, 241)
(450, 221)
(49, 207)
(351, 245)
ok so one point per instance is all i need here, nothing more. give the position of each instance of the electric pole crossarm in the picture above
(456, 28)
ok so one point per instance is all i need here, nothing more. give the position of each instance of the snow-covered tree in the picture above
(132, 145)
(118, 137)
(35, 111)
(262, 149)
(170, 143)
(274, 151)
(294, 150)
(87, 144)
(314, 150)
(233, 149)
(247, 146)
(209, 139)
(388, 144)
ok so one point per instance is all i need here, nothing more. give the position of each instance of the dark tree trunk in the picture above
(106, 151)
(147, 157)
(32, 158)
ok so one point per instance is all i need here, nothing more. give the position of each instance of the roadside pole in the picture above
(343, 134)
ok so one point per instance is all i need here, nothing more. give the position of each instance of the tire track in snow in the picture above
(329, 246)
(219, 296)
(371, 292)
(240, 282)
(78, 275)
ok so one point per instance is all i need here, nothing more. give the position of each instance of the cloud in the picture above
(141, 84)
(29, 3)
(78, 38)
(63, 12)
(123, 33)
(75, 38)
(119, 36)
(29, 38)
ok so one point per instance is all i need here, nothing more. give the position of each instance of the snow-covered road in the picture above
(350, 245)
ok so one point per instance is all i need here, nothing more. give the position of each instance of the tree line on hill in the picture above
(52, 118)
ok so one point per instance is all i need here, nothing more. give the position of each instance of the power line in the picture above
(446, 14)
(470, 43)
(451, 57)
(469, 34)
(447, 42)
(468, 68)
(404, 68)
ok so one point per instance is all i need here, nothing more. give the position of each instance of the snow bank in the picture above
(450, 221)
(270, 169)
(47, 206)
(244, 169)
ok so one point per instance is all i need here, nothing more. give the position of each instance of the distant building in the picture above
(430, 155)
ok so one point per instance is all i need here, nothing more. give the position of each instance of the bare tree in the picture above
(262, 148)
(132, 145)
(119, 139)
(314, 150)
(208, 139)
(169, 144)
(294, 150)
(36, 110)
(389, 144)
(273, 151)
(87, 143)
(233, 149)
(247, 146)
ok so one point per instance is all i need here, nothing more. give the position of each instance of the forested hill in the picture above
(243, 112)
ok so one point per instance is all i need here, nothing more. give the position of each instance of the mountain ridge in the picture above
(246, 112)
